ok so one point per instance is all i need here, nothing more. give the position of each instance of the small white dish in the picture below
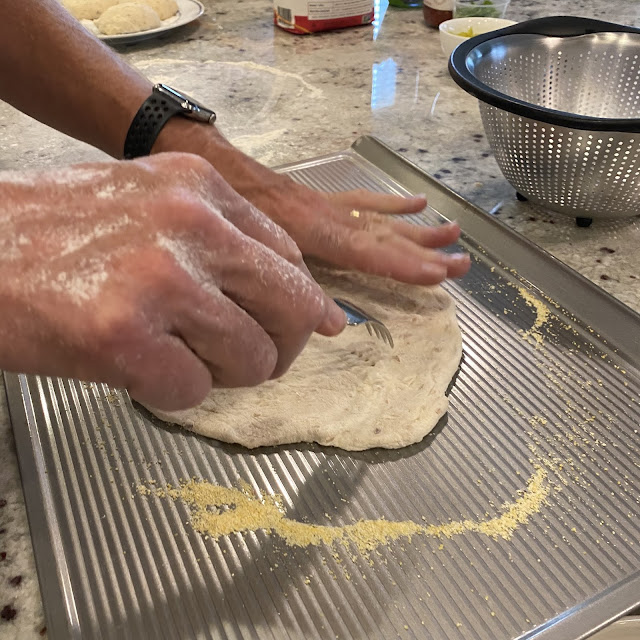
(450, 30)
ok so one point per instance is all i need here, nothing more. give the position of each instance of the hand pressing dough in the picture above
(127, 18)
(87, 9)
(164, 8)
(352, 391)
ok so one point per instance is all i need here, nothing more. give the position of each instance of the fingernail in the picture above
(420, 195)
(336, 318)
(434, 271)
(459, 257)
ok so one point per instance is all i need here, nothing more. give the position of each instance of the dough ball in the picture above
(87, 9)
(164, 8)
(90, 26)
(127, 18)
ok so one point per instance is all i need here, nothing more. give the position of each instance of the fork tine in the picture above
(385, 335)
(356, 315)
(382, 333)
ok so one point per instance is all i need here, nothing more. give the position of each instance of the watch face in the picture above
(176, 95)
(190, 108)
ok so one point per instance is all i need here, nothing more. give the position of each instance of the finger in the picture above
(431, 237)
(362, 199)
(255, 224)
(403, 249)
(458, 264)
(259, 231)
(287, 304)
(334, 321)
(168, 375)
(261, 228)
(391, 255)
(236, 349)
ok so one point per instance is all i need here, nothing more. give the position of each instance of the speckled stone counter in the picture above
(283, 98)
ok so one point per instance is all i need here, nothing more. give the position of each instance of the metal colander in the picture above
(560, 104)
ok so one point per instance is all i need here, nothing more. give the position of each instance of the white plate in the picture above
(188, 11)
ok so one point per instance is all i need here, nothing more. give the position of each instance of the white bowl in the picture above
(449, 30)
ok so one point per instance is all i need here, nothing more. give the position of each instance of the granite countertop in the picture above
(283, 98)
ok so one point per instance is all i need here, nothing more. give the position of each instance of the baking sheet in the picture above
(559, 395)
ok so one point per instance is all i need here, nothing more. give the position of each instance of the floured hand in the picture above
(152, 275)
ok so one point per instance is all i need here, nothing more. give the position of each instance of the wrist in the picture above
(242, 172)
(182, 134)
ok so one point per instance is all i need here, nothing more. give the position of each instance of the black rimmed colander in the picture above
(560, 104)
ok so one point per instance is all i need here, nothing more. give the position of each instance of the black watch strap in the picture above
(154, 113)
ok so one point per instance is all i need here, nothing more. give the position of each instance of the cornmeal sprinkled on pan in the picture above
(219, 511)
(542, 315)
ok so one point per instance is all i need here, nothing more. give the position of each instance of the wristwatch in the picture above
(163, 103)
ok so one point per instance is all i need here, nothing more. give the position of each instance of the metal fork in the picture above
(356, 316)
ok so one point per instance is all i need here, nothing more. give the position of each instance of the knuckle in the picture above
(255, 359)
(167, 272)
(150, 274)
(195, 217)
(117, 332)
(331, 238)
(157, 168)
(171, 161)
(196, 164)
(278, 237)
(188, 212)
(357, 241)
(202, 176)
(291, 251)
(180, 389)
(264, 361)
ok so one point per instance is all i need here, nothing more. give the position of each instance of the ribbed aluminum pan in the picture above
(115, 564)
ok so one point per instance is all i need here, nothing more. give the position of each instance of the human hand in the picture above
(322, 225)
(152, 275)
(354, 230)
(366, 238)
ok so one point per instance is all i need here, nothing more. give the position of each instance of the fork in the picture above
(356, 316)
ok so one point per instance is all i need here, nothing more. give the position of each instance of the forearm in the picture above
(55, 71)
(52, 69)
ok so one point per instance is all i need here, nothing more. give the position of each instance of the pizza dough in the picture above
(164, 8)
(352, 391)
(127, 18)
(87, 9)
(90, 26)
